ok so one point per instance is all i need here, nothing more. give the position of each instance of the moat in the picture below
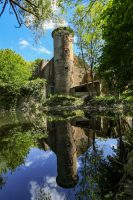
(58, 158)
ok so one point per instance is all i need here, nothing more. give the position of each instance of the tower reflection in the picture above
(65, 140)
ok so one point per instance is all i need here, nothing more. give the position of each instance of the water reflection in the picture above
(43, 155)
(67, 142)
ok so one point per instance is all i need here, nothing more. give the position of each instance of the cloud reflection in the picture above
(46, 191)
(36, 156)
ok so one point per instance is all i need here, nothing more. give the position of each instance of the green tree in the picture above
(14, 71)
(87, 23)
(116, 63)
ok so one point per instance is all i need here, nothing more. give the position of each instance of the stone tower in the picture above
(63, 59)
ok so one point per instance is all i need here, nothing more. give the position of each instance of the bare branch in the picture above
(3, 8)
(15, 12)
(24, 9)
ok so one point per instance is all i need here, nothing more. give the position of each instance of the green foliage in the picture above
(109, 196)
(89, 172)
(116, 60)
(128, 99)
(110, 100)
(60, 29)
(61, 115)
(35, 88)
(87, 22)
(14, 71)
(127, 93)
(105, 99)
(19, 133)
(63, 100)
(98, 176)
(14, 147)
(34, 14)
(35, 68)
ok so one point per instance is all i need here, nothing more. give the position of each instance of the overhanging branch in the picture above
(24, 9)
(15, 12)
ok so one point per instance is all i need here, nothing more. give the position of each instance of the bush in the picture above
(35, 88)
(63, 100)
(128, 99)
(127, 93)
(105, 99)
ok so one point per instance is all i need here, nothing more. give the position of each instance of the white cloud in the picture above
(39, 49)
(51, 181)
(48, 25)
(28, 163)
(24, 43)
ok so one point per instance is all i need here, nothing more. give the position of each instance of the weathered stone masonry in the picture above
(65, 71)
(63, 60)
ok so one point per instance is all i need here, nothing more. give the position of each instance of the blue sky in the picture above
(22, 41)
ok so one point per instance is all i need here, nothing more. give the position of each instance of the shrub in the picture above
(63, 100)
(128, 99)
(105, 99)
(35, 88)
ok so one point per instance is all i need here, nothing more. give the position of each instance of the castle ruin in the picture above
(65, 72)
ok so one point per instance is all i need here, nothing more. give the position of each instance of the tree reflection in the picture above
(15, 143)
(99, 176)
(3, 180)
(88, 187)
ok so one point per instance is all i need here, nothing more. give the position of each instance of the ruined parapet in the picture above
(41, 68)
(63, 59)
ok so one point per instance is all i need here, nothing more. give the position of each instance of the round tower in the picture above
(63, 59)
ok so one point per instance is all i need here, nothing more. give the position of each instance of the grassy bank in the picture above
(110, 102)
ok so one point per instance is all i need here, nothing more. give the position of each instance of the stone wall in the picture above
(49, 75)
(77, 77)
(79, 74)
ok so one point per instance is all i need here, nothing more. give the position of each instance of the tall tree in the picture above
(87, 23)
(116, 63)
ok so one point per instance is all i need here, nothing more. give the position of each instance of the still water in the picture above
(42, 157)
